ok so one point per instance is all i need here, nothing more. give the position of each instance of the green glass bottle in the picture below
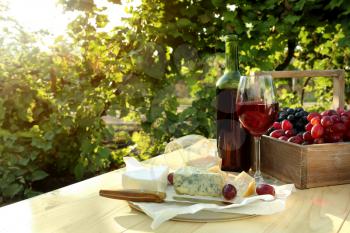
(232, 139)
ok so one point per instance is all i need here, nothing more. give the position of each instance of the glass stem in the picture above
(258, 177)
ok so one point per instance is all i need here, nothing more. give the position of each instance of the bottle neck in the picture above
(231, 56)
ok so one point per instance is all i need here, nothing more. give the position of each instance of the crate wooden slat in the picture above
(334, 168)
(310, 165)
(337, 75)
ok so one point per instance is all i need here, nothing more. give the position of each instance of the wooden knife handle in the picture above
(134, 195)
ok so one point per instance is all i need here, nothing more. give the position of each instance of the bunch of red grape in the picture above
(290, 125)
(298, 126)
(329, 126)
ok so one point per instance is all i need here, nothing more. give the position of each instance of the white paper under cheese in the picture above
(196, 181)
(146, 179)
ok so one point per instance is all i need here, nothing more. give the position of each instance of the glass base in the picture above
(258, 178)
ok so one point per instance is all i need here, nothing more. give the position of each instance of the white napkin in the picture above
(254, 205)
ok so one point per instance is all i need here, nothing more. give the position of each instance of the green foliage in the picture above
(274, 35)
(50, 116)
(51, 102)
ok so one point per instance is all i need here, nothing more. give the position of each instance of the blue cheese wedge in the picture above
(198, 181)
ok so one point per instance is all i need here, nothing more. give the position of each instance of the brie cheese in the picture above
(146, 179)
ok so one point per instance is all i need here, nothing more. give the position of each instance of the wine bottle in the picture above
(233, 141)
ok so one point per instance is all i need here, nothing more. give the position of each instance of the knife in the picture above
(158, 197)
(134, 195)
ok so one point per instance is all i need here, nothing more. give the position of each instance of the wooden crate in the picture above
(310, 165)
(306, 166)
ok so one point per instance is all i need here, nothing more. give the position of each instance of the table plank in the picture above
(169, 227)
(346, 225)
(314, 210)
(54, 210)
(78, 208)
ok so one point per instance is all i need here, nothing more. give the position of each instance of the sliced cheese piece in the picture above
(245, 185)
(250, 190)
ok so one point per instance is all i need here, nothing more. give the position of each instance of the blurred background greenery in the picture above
(73, 109)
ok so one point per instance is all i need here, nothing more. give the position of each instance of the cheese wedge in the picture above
(245, 185)
(197, 181)
(146, 179)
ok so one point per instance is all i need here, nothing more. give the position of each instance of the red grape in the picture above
(328, 130)
(325, 113)
(277, 133)
(263, 189)
(317, 131)
(295, 139)
(340, 110)
(347, 135)
(332, 112)
(333, 138)
(300, 135)
(284, 138)
(308, 127)
(318, 141)
(347, 113)
(326, 121)
(315, 120)
(335, 118)
(286, 125)
(312, 115)
(307, 137)
(277, 125)
(346, 120)
(171, 178)
(229, 191)
(289, 133)
(339, 128)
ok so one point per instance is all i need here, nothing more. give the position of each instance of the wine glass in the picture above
(257, 109)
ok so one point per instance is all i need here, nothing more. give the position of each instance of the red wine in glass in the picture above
(257, 110)
(257, 116)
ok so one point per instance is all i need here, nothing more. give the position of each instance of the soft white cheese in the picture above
(146, 179)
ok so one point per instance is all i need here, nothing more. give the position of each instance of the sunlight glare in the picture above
(35, 15)
(38, 15)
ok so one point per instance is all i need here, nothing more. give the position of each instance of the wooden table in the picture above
(79, 208)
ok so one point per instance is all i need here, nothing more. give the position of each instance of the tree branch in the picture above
(290, 54)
